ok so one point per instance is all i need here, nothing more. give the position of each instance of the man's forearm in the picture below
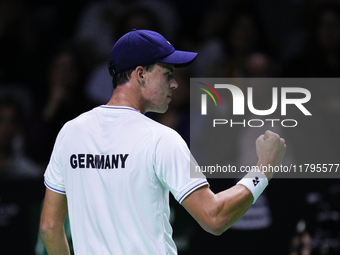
(55, 241)
(217, 212)
(234, 203)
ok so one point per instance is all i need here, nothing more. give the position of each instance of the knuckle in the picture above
(276, 136)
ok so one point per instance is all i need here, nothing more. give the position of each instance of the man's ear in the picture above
(140, 72)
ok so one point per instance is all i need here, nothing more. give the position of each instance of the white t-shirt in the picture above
(116, 167)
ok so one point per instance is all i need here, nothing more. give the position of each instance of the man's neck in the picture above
(127, 95)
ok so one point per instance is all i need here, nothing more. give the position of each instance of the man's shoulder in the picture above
(83, 118)
(158, 128)
(78, 123)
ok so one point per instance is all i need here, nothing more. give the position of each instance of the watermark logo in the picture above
(228, 114)
(204, 97)
(238, 100)
(243, 97)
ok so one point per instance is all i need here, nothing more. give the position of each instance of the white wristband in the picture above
(256, 181)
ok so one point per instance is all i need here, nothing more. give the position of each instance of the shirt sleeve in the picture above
(173, 162)
(53, 178)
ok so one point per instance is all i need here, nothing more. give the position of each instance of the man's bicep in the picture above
(54, 210)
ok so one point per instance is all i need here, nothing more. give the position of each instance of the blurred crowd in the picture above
(53, 67)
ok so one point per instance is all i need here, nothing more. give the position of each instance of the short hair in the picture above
(124, 77)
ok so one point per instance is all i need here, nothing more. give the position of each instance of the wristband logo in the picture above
(256, 181)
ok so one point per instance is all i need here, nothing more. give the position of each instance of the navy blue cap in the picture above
(143, 47)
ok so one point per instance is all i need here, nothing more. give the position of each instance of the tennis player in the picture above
(112, 168)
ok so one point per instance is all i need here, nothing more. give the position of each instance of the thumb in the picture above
(261, 138)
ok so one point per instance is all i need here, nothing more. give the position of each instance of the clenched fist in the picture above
(270, 149)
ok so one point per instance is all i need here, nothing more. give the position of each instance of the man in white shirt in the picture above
(112, 168)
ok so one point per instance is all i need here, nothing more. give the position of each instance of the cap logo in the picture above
(169, 42)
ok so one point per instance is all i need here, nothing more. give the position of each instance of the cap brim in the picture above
(179, 58)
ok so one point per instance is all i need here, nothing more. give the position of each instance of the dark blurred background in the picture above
(53, 57)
